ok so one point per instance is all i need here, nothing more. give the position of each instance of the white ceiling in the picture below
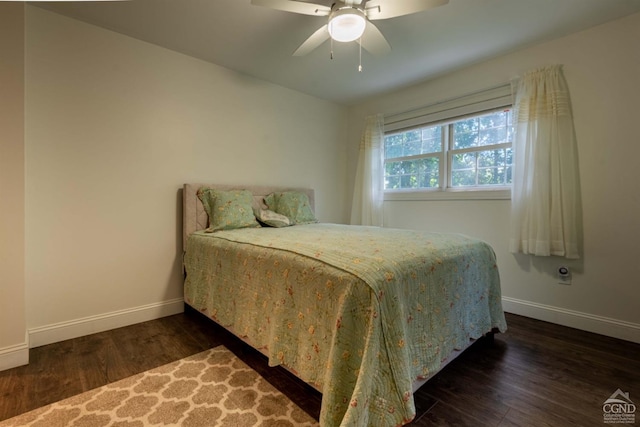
(259, 41)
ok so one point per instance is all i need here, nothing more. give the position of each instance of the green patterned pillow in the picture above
(228, 210)
(292, 204)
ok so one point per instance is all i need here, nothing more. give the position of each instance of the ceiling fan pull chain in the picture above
(331, 48)
(360, 64)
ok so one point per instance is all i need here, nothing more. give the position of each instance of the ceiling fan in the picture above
(350, 20)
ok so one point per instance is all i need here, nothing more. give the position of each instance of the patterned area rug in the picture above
(212, 388)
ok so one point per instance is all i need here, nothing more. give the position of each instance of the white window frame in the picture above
(444, 114)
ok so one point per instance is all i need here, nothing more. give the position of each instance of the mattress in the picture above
(358, 312)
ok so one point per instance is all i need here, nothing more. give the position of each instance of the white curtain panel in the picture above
(545, 195)
(368, 194)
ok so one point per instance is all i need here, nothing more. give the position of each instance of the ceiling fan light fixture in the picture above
(347, 24)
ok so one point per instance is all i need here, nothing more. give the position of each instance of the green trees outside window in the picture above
(474, 152)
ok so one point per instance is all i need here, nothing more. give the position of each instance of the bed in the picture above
(363, 314)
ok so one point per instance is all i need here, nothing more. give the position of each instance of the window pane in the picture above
(463, 169)
(509, 175)
(488, 129)
(393, 146)
(412, 147)
(465, 133)
(413, 135)
(493, 168)
(413, 142)
(431, 132)
(420, 173)
(491, 176)
(432, 139)
(492, 158)
(464, 161)
(463, 178)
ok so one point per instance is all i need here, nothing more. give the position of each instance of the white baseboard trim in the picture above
(57, 332)
(15, 355)
(575, 319)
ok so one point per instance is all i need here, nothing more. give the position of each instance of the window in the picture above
(473, 153)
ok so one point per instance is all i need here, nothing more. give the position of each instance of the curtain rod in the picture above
(398, 113)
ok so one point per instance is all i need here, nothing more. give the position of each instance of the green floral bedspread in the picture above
(360, 312)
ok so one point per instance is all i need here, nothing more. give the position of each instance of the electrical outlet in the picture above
(564, 275)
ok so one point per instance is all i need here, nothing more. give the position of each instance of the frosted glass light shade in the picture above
(347, 25)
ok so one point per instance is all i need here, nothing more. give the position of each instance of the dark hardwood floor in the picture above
(535, 374)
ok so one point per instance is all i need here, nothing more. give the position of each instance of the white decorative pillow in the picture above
(271, 218)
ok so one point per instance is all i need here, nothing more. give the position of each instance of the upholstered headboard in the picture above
(195, 218)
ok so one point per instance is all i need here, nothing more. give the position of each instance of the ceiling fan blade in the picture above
(313, 42)
(294, 6)
(373, 41)
(385, 9)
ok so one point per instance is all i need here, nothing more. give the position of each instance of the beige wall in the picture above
(13, 346)
(602, 66)
(114, 127)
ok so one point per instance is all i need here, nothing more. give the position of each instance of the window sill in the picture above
(407, 195)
